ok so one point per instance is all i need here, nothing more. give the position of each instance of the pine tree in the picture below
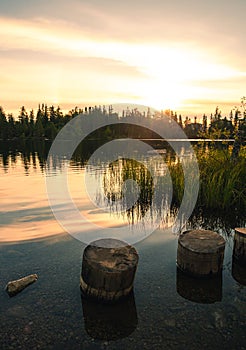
(180, 121)
(3, 125)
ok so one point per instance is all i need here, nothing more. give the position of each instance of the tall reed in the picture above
(222, 180)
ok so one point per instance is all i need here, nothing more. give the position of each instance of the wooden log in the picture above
(15, 287)
(199, 290)
(239, 248)
(108, 270)
(200, 253)
(110, 321)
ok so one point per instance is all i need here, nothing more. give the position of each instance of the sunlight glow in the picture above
(160, 75)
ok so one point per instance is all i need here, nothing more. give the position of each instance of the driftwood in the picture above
(108, 270)
(200, 253)
(15, 287)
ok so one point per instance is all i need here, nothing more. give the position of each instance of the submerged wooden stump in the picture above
(110, 321)
(199, 290)
(108, 269)
(200, 253)
(238, 272)
(239, 249)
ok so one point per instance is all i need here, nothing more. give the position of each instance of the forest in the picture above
(47, 121)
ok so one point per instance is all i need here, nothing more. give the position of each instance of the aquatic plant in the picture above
(222, 180)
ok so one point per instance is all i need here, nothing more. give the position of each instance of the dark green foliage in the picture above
(3, 124)
(222, 180)
(48, 121)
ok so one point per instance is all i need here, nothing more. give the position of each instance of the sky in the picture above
(184, 55)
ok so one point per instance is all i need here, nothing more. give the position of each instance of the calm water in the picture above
(167, 310)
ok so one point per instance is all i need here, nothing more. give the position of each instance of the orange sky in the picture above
(187, 56)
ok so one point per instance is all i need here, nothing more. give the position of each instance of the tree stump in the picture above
(199, 290)
(239, 249)
(238, 272)
(108, 270)
(110, 321)
(200, 253)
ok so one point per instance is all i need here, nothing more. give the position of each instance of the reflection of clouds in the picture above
(159, 236)
(96, 211)
(26, 215)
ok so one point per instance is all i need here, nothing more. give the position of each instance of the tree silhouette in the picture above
(46, 122)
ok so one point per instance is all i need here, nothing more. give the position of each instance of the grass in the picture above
(222, 180)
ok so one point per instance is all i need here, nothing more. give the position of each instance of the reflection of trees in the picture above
(222, 196)
(32, 154)
(84, 151)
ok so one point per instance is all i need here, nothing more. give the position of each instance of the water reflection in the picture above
(216, 221)
(199, 290)
(25, 212)
(238, 272)
(238, 269)
(29, 154)
(130, 183)
(110, 321)
(33, 154)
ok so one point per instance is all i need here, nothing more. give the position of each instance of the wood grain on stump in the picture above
(239, 249)
(108, 269)
(200, 252)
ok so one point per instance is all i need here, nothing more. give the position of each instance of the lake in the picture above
(166, 310)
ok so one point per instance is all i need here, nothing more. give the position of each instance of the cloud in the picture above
(141, 21)
(108, 50)
(54, 38)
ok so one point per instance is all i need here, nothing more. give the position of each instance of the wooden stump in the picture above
(238, 272)
(110, 321)
(239, 249)
(108, 270)
(200, 253)
(199, 290)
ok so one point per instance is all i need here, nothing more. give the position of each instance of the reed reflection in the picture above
(28, 158)
(130, 190)
(118, 174)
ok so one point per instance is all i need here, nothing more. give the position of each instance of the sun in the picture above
(160, 95)
(175, 75)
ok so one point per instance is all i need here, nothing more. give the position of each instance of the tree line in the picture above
(47, 121)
